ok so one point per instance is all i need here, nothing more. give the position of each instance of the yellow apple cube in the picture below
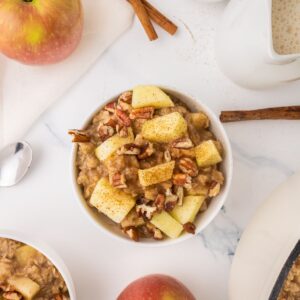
(148, 95)
(112, 202)
(25, 286)
(157, 174)
(165, 129)
(207, 154)
(167, 224)
(24, 254)
(189, 209)
(112, 144)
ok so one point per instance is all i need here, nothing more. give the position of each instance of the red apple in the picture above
(156, 287)
(40, 31)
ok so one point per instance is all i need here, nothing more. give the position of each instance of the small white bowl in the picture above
(48, 252)
(202, 221)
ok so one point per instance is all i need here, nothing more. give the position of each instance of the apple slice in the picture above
(157, 174)
(167, 224)
(111, 201)
(25, 286)
(111, 145)
(207, 154)
(165, 129)
(148, 95)
(189, 210)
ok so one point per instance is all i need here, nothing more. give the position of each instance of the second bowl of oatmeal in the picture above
(151, 165)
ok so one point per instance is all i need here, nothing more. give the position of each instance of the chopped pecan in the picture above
(167, 156)
(12, 296)
(124, 106)
(132, 233)
(178, 153)
(129, 149)
(126, 97)
(160, 202)
(132, 220)
(105, 132)
(122, 130)
(188, 166)
(110, 107)
(79, 136)
(190, 227)
(180, 195)
(157, 234)
(145, 210)
(146, 151)
(123, 118)
(184, 180)
(118, 180)
(217, 176)
(142, 113)
(203, 179)
(183, 143)
(214, 189)
(112, 122)
(151, 193)
(170, 201)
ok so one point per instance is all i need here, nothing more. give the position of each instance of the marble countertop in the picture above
(265, 153)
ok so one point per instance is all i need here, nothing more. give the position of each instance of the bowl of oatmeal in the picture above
(151, 165)
(31, 270)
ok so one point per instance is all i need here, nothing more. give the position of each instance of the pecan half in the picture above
(79, 136)
(105, 132)
(118, 180)
(142, 113)
(214, 189)
(145, 210)
(188, 166)
(123, 118)
(111, 106)
(160, 202)
(126, 97)
(184, 180)
(146, 151)
(132, 233)
(183, 143)
(129, 149)
(190, 227)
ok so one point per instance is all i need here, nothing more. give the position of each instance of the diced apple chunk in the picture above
(112, 144)
(207, 154)
(24, 254)
(167, 224)
(199, 120)
(189, 210)
(111, 201)
(157, 174)
(147, 95)
(25, 286)
(165, 129)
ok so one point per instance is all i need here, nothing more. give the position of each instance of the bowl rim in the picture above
(221, 200)
(47, 251)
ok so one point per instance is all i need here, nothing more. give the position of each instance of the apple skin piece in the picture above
(165, 129)
(189, 209)
(112, 144)
(156, 287)
(157, 174)
(111, 201)
(167, 224)
(207, 154)
(25, 286)
(148, 95)
(38, 32)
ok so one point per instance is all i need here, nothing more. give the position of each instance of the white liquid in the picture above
(286, 26)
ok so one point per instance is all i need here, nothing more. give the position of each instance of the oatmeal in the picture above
(291, 286)
(149, 164)
(25, 273)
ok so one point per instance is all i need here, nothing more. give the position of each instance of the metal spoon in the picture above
(15, 160)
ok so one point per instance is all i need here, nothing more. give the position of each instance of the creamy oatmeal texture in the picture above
(291, 286)
(286, 26)
(27, 274)
(149, 165)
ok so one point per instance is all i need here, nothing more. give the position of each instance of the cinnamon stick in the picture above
(144, 18)
(159, 18)
(273, 113)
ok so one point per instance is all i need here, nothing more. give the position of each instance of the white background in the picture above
(265, 153)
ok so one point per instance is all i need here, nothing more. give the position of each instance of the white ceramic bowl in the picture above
(202, 221)
(48, 252)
